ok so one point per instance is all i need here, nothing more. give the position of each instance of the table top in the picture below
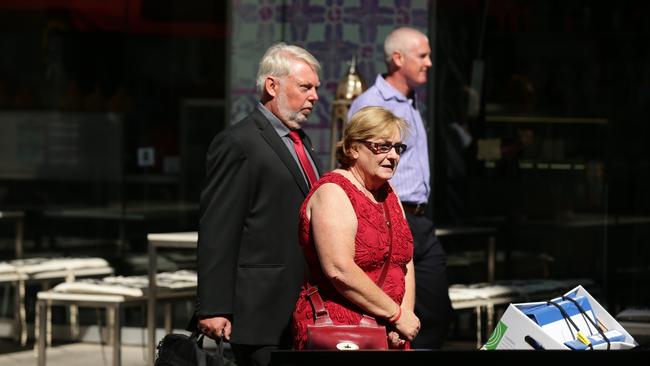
(56, 274)
(12, 277)
(11, 215)
(188, 237)
(472, 303)
(191, 237)
(166, 294)
(465, 230)
(77, 272)
(574, 220)
(130, 211)
(174, 240)
(64, 296)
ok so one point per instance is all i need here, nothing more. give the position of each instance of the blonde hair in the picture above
(367, 123)
(279, 58)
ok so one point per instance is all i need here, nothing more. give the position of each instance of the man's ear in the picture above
(271, 86)
(397, 58)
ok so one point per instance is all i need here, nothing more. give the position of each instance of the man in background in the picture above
(407, 55)
(258, 172)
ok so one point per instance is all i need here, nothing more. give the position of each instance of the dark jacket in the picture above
(250, 264)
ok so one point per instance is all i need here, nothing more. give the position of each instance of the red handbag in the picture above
(325, 335)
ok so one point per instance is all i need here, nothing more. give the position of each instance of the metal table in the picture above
(478, 305)
(113, 305)
(184, 240)
(19, 281)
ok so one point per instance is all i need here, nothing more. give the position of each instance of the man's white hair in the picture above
(279, 58)
(399, 40)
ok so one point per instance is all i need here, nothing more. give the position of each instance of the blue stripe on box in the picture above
(546, 314)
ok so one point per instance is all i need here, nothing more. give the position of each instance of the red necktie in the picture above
(302, 156)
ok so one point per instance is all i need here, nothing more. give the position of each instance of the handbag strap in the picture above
(384, 270)
(321, 315)
(200, 357)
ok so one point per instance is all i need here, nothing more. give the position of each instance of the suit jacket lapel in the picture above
(271, 137)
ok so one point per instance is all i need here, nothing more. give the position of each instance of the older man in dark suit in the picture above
(250, 266)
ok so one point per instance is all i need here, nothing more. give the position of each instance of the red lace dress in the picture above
(371, 250)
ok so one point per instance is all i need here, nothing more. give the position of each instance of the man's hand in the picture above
(216, 327)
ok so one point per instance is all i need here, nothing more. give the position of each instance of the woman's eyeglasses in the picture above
(383, 148)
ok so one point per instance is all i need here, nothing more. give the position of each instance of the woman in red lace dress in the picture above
(347, 223)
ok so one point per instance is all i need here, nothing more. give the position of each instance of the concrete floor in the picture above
(71, 354)
(84, 354)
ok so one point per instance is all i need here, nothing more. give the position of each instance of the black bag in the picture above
(182, 350)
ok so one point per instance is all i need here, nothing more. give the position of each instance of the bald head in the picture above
(407, 59)
(401, 40)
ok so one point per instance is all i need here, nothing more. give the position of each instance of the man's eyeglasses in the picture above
(383, 148)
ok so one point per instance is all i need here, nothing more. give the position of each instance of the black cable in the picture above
(568, 319)
(584, 314)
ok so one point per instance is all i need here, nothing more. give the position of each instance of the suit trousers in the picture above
(260, 355)
(432, 304)
(252, 355)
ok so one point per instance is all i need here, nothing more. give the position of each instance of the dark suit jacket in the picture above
(250, 264)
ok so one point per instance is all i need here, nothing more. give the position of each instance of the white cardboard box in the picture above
(517, 330)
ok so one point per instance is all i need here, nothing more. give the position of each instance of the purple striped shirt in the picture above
(411, 180)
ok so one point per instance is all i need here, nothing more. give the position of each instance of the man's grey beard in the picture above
(289, 115)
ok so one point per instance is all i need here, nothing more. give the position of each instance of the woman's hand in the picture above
(394, 341)
(408, 324)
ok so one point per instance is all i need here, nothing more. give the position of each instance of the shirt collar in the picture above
(277, 125)
(388, 92)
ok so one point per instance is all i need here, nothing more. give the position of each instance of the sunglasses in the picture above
(384, 147)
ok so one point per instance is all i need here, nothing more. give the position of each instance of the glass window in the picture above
(104, 113)
(541, 111)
